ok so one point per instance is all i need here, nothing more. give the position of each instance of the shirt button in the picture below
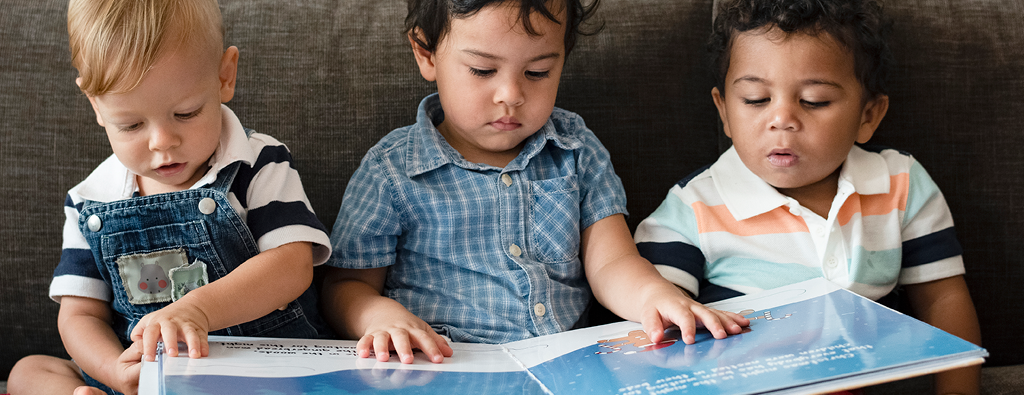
(794, 210)
(207, 206)
(539, 309)
(819, 231)
(515, 250)
(95, 223)
(507, 179)
(831, 261)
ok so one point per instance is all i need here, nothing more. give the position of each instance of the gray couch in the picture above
(329, 78)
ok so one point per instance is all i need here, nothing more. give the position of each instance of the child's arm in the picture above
(354, 306)
(628, 285)
(946, 304)
(265, 282)
(84, 325)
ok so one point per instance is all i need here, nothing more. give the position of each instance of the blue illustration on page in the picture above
(819, 339)
(823, 338)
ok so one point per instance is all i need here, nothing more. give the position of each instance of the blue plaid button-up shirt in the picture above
(480, 253)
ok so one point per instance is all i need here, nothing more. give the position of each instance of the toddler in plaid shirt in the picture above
(495, 216)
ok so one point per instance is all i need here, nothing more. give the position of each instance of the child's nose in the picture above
(162, 138)
(509, 93)
(784, 116)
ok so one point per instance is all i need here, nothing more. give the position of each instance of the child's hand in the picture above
(179, 320)
(665, 305)
(402, 335)
(125, 372)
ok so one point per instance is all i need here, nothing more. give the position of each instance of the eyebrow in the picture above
(551, 55)
(758, 80)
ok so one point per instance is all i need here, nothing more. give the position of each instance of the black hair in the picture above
(858, 25)
(429, 20)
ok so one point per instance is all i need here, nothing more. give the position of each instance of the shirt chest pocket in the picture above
(555, 219)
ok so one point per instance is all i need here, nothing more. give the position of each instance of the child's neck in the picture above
(817, 197)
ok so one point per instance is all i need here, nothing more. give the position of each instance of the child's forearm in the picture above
(352, 297)
(268, 281)
(619, 285)
(946, 304)
(84, 326)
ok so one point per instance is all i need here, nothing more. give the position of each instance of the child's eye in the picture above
(189, 115)
(481, 72)
(755, 102)
(131, 128)
(537, 74)
(816, 104)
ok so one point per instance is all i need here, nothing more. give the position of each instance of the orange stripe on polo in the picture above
(719, 219)
(880, 204)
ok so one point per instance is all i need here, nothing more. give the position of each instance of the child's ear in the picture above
(228, 73)
(874, 111)
(92, 101)
(424, 58)
(722, 114)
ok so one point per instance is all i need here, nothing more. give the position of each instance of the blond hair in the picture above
(115, 42)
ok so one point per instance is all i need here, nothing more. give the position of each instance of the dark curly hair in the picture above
(859, 25)
(433, 18)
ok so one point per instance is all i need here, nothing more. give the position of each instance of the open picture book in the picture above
(809, 337)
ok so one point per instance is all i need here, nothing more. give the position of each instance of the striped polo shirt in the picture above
(266, 193)
(723, 231)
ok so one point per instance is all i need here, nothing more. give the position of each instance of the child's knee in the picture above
(30, 370)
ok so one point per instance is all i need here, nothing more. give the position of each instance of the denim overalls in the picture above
(152, 250)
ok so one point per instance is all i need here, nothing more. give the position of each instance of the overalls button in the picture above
(207, 206)
(94, 223)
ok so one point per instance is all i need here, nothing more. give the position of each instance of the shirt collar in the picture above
(428, 150)
(113, 181)
(747, 195)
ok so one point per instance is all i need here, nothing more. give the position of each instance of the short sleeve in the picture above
(278, 211)
(601, 190)
(366, 232)
(76, 273)
(668, 239)
(930, 248)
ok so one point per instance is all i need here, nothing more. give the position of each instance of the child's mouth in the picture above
(170, 170)
(506, 124)
(782, 158)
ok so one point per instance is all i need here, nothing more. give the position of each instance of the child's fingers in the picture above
(428, 345)
(381, 345)
(169, 333)
(733, 322)
(403, 346)
(150, 335)
(711, 321)
(654, 326)
(442, 344)
(132, 354)
(363, 346)
(194, 342)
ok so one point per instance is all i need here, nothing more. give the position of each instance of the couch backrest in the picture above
(329, 78)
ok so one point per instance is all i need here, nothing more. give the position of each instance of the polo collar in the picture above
(113, 181)
(746, 195)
